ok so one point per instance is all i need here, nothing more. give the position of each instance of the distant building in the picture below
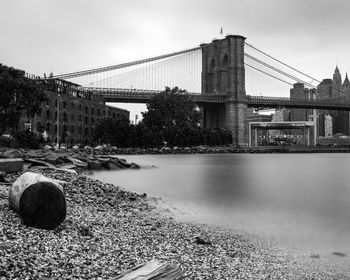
(256, 117)
(79, 113)
(334, 89)
(300, 92)
(328, 126)
(281, 115)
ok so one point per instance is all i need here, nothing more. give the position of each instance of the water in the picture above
(300, 200)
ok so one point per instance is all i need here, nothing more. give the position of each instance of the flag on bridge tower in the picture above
(221, 31)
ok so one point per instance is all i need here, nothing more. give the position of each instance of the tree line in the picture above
(172, 119)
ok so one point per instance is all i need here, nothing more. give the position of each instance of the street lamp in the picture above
(58, 120)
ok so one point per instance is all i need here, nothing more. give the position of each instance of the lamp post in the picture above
(58, 120)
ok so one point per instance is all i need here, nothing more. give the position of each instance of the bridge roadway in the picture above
(142, 96)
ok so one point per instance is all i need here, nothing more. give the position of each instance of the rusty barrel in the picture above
(39, 200)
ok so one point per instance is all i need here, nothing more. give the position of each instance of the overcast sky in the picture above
(43, 36)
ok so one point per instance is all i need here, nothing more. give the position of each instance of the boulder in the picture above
(77, 162)
(39, 200)
(134, 166)
(54, 158)
(48, 148)
(88, 149)
(75, 148)
(11, 164)
(67, 166)
(37, 162)
(99, 147)
(112, 166)
(124, 163)
(94, 164)
(3, 178)
(13, 153)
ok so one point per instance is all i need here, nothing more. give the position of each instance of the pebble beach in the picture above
(109, 230)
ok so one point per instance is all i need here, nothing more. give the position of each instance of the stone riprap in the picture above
(14, 160)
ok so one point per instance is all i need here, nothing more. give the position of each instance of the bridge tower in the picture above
(223, 73)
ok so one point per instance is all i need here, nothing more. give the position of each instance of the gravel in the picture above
(109, 230)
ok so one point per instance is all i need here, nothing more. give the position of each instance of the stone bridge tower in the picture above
(223, 73)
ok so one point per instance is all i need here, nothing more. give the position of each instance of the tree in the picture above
(172, 116)
(112, 131)
(18, 95)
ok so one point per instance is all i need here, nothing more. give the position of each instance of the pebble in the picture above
(106, 233)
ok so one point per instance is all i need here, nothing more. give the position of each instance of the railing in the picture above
(140, 95)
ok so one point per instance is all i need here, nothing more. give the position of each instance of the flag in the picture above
(221, 31)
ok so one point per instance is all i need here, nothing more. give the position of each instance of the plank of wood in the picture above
(153, 270)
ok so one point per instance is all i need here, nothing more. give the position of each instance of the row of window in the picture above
(73, 107)
(52, 129)
(48, 116)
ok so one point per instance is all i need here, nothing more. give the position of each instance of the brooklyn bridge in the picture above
(221, 68)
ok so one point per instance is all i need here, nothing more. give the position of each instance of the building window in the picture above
(86, 110)
(64, 105)
(92, 121)
(65, 117)
(92, 111)
(98, 112)
(86, 120)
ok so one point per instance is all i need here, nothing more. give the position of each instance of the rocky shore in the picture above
(73, 159)
(108, 230)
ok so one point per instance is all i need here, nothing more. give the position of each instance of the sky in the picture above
(43, 36)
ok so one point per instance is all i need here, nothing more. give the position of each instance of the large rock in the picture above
(94, 164)
(39, 200)
(75, 148)
(55, 158)
(13, 153)
(48, 148)
(37, 162)
(77, 162)
(11, 164)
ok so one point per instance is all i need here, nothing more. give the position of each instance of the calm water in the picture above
(301, 200)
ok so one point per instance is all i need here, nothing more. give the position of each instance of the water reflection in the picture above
(300, 198)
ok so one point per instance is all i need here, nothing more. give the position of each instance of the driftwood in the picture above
(153, 270)
(39, 200)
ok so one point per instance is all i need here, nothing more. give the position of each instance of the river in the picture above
(299, 200)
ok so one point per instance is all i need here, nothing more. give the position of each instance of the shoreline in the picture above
(109, 230)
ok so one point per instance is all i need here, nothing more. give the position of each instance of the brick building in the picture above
(79, 113)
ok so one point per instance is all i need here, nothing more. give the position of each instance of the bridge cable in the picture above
(272, 76)
(119, 66)
(278, 70)
(282, 63)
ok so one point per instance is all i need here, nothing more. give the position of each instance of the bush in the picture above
(7, 142)
(26, 139)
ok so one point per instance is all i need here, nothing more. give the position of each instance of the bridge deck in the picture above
(142, 96)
